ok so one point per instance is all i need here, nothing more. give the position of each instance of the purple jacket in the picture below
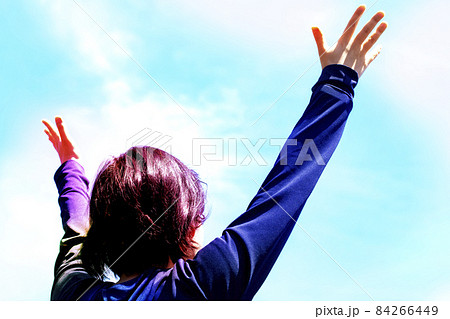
(235, 265)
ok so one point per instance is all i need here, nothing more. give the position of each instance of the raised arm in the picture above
(235, 265)
(72, 184)
(70, 180)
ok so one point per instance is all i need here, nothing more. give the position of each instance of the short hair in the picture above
(149, 194)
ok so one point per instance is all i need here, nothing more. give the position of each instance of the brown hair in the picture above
(145, 193)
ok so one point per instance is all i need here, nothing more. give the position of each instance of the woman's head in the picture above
(145, 193)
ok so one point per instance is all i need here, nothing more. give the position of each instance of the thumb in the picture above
(320, 41)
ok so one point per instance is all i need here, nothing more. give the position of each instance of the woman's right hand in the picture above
(61, 142)
(353, 53)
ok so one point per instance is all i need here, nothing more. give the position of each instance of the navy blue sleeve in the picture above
(70, 277)
(235, 265)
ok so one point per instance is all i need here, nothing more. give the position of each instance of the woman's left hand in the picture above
(61, 142)
(353, 53)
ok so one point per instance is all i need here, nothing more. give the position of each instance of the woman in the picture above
(146, 206)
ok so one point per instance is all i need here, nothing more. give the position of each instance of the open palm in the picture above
(61, 142)
(353, 53)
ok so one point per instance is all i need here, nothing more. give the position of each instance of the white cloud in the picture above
(279, 28)
(105, 129)
(416, 53)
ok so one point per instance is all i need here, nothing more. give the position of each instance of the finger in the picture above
(61, 129)
(374, 37)
(51, 139)
(365, 31)
(51, 130)
(320, 41)
(373, 55)
(351, 26)
(48, 134)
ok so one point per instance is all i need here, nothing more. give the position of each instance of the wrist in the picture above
(68, 158)
(341, 76)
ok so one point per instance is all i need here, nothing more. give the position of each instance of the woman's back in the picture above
(235, 265)
(231, 267)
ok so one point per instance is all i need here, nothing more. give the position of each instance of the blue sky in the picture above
(381, 207)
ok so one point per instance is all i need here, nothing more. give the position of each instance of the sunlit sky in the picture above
(381, 208)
